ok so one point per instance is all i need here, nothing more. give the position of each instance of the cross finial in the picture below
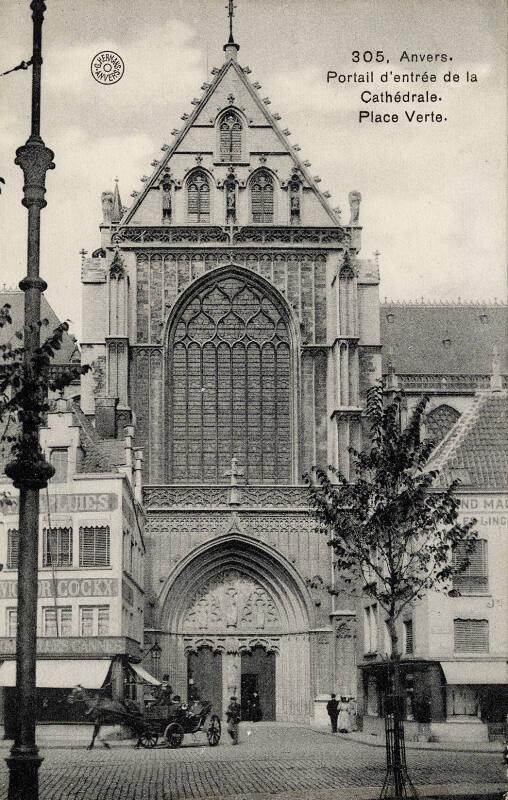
(231, 48)
(231, 13)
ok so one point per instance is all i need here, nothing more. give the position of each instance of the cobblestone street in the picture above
(287, 762)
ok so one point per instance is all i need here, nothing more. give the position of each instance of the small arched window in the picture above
(230, 130)
(198, 203)
(262, 197)
(439, 421)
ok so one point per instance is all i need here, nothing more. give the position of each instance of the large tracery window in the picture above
(261, 189)
(230, 386)
(230, 131)
(198, 194)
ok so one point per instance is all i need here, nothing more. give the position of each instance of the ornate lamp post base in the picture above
(24, 774)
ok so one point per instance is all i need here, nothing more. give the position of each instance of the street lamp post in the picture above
(29, 471)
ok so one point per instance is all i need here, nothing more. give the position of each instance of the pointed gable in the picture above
(256, 141)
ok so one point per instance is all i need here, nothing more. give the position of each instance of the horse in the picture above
(105, 711)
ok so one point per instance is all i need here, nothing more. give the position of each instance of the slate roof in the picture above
(69, 351)
(475, 450)
(418, 333)
(100, 455)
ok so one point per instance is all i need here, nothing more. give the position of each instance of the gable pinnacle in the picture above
(231, 48)
(116, 212)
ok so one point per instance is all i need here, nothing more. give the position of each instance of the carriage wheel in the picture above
(148, 738)
(213, 731)
(174, 734)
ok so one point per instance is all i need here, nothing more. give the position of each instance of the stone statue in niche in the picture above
(260, 614)
(107, 206)
(202, 613)
(230, 202)
(355, 198)
(294, 203)
(232, 607)
(166, 202)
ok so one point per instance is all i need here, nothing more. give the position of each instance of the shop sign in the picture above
(65, 587)
(69, 503)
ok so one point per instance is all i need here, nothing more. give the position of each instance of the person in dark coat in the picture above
(332, 707)
(233, 716)
(255, 708)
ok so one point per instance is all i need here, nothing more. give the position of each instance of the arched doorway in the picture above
(237, 614)
(258, 675)
(204, 677)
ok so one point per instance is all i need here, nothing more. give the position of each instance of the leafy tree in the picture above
(392, 531)
(24, 386)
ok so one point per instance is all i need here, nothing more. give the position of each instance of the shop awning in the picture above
(144, 675)
(475, 672)
(61, 673)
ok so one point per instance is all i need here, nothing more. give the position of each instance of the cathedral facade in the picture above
(229, 316)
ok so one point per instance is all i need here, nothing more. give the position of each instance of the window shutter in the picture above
(66, 621)
(94, 547)
(50, 622)
(86, 626)
(408, 627)
(103, 621)
(12, 548)
(471, 636)
(12, 622)
(475, 576)
(57, 547)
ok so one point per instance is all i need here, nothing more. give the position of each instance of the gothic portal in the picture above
(230, 319)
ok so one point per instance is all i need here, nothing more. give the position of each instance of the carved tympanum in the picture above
(231, 602)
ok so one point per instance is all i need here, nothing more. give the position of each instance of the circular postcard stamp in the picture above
(107, 67)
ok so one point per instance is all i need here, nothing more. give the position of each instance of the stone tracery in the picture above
(231, 602)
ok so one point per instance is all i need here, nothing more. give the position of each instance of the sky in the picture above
(433, 195)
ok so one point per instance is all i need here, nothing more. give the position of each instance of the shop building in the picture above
(90, 616)
(455, 648)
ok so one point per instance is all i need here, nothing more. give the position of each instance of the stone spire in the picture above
(231, 48)
(116, 212)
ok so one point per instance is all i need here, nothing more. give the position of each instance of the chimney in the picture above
(129, 460)
(105, 417)
(496, 380)
(138, 473)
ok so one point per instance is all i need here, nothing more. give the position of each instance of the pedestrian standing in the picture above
(233, 716)
(343, 721)
(332, 707)
(352, 713)
(255, 708)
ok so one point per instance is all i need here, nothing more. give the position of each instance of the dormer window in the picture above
(261, 189)
(59, 460)
(230, 138)
(198, 197)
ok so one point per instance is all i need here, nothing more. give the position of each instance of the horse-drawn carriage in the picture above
(161, 719)
(173, 721)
